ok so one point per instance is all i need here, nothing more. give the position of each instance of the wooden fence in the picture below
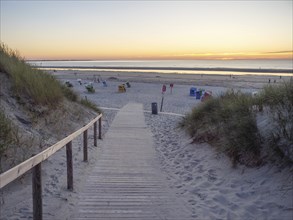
(35, 162)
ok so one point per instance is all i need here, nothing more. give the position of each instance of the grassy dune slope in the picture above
(230, 122)
(36, 109)
(38, 86)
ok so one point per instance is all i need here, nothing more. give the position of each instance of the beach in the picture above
(191, 102)
(211, 188)
(202, 177)
(218, 79)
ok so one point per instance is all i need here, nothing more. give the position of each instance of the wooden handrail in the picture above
(17, 171)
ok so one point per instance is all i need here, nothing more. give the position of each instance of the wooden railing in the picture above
(35, 162)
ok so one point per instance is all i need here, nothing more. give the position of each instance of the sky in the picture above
(239, 29)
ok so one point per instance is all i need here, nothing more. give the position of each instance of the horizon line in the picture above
(147, 59)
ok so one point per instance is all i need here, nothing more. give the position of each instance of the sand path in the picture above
(127, 182)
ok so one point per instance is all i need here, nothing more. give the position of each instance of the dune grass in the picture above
(5, 132)
(91, 105)
(228, 122)
(278, 105)
(69, 93)
(39, 92)
(35, 85)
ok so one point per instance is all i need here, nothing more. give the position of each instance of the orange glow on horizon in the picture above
(132, 56)
(238, 56)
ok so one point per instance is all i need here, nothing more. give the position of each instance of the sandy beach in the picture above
(202, 177)
(218, 79)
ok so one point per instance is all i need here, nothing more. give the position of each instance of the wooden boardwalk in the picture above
(127, 182)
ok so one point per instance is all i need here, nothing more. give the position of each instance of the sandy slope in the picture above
(212, 188)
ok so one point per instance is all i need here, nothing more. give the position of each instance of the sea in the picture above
(229, 67)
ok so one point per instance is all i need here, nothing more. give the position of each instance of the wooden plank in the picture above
(95, 134)
(17, 171)
(85, 158)
(37, 192)
(100, 128)
(69, 166)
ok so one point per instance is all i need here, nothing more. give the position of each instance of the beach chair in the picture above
(198, 94)
(192, 91)
(121, 88)
(207, 95)
(90, 88)
(68, 84)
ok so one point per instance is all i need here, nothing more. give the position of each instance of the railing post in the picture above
(95, 134)
(37, 193)
(69, 166)
(85, 145)
(100, 128)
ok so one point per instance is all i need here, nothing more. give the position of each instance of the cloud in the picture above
(288, 51)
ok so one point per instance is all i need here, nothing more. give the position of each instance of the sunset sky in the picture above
(148, 29)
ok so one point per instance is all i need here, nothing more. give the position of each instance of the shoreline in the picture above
(206, 69)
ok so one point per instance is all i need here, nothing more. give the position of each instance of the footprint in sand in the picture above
(198, 178)
(222, 200)
(181, 155)
(188, 178)
(186, 167)
(201, 196)
(192, 201)
(194, 163)
(200, 169)
(211, 176)
(176, 162)
(245, 195)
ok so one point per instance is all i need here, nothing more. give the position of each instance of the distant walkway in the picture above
(127, 182)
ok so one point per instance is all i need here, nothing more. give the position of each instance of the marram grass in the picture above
(228, 122)
(5, 132)
(90, 104)
(35, 85)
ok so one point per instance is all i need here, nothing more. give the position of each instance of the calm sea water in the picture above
(239, 64)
